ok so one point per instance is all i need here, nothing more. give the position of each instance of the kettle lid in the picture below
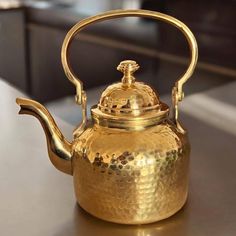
(129, 101)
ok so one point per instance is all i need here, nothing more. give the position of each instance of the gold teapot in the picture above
(130, 161)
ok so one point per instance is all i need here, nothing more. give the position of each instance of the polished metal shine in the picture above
(130, 162)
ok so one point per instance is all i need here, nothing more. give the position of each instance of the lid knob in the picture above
(128, 67)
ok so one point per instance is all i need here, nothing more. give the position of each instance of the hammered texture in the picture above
(131, 177)
(129, 97)
(117, 99)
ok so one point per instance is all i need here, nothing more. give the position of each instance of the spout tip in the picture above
(22, 101)
(18, 101)
(25, 105)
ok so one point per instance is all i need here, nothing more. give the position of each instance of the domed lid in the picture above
(129, 100)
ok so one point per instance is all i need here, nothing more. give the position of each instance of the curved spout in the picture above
(59, 149)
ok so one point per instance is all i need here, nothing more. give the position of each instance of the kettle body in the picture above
(130, 161)
(131, 177)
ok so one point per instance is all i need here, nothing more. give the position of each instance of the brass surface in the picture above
(130, 162)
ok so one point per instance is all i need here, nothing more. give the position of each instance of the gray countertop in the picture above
(36, 199)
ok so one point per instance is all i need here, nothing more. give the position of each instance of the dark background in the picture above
(32, 35)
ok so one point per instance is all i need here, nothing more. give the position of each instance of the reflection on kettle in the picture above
(130, 162)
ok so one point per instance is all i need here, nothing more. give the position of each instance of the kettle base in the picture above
(136, 222)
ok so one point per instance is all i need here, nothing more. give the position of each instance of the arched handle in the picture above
(177, 93)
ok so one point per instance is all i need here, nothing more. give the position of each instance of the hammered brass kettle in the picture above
(130, 162)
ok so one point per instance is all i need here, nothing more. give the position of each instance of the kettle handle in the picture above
(177, 93)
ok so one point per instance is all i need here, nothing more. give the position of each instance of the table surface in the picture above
(36, 199)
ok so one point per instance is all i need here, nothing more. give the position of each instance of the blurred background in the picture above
(32, 33)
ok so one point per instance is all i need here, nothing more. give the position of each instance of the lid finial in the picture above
(128, 67)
